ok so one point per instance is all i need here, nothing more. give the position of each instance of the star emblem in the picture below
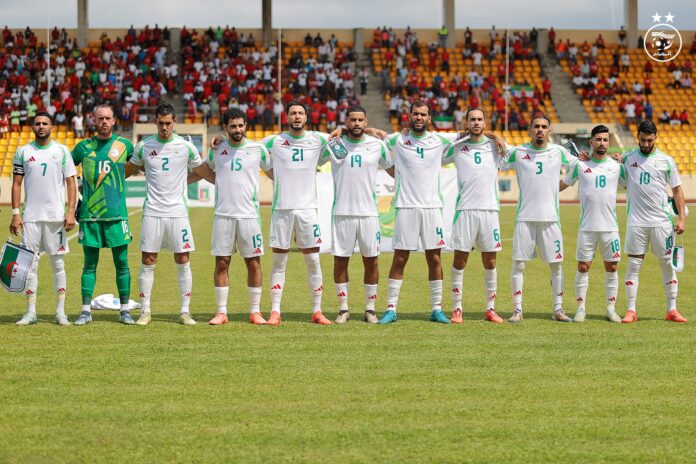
(669, 18)
(656, 18)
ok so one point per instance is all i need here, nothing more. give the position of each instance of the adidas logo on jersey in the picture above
(526, 157)
(617, 255)
(441, 243)
(224, 152)
(258, 251)
(31, 159)
(187, 246)
(634, 165)
(559, 256)
(286, 143)
(152, 154)
(341, 294)
(587, 171)
(464, 148)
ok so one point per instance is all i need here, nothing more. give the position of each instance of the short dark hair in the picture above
(296, 103)
(466, 115)
(540, 115)
(356, 109)
(419, 104)
(601, 129)
(647, 127)
(163, 109)
(233, 113)
(42, 114)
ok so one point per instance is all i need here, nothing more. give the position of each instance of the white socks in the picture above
(582, 281)
(393, 293)
(370, 297)
(59, 282)
(280, 261)
(31, 286)
(221, 294)
(315, 281)
(516, 284)
(254, 294)
(185, 284)
(457, 288)
(670, 284)
(632, 281)
(436, 295)
(557, 285)
(342, 296)
(490, 282)
(146, 279)
(611, 287)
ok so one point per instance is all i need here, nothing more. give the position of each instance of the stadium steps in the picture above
(373, 102)
(567, 103)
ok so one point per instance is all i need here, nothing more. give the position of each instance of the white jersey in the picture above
(417, 161)
(294, 161)
(538, 174)
(477, 173)
(45, 170)
(237, 178)
(355, 176)
(167, 164)
(647, 177)
(598, 182)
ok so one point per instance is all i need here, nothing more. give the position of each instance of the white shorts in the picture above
(476, 228)
(171, 233)
(546, 236)
(346, 230)
(47, 237)
(303, 222)
(639, 238)
(414, 226)
(609, 246)
(230, 234)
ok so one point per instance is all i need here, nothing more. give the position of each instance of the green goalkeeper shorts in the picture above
(104, 234)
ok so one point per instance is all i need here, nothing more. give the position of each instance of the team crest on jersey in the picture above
(113, 153)
(526, 157)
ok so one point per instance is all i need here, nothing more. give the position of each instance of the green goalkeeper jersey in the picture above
(103, 177)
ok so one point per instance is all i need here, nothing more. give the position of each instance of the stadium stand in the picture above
(625, 86)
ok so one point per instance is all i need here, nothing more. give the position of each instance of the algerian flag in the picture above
(15, 265)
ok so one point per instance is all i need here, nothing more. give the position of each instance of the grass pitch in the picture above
(414, 391)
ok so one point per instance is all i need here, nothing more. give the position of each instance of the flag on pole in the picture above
(15, 264)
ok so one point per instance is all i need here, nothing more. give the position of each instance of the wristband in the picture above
(15, 211)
